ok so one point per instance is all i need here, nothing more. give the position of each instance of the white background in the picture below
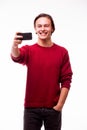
(70, 18)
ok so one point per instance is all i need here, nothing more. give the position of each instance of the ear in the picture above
(52, 31)
(35, 30)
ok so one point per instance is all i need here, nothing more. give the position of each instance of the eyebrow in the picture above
(43, 24)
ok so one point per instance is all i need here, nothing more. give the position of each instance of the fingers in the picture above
(18, 38)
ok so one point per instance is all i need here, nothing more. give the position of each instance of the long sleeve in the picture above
(66, 71)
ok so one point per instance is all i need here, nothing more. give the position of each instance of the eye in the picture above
(46, 25)
(39, 25)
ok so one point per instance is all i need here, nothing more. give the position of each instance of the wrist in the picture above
(15, 45)
(57, 108)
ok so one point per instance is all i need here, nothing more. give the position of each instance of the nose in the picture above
(42, 28)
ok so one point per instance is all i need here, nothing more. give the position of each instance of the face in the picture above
(43, 28)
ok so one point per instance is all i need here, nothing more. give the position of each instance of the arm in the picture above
(15, 50)
(66, 77)
(62, 99)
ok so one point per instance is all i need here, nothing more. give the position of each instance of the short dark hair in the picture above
(48, 16)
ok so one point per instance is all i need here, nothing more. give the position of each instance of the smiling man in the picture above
(49, 76)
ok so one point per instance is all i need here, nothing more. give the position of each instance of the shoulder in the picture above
(61, 48)
(28, 47)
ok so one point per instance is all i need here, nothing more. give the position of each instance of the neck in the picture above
(45, 43)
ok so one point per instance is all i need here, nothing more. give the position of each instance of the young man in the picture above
(49, 76)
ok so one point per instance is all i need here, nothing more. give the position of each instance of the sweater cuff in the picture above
(15, 59)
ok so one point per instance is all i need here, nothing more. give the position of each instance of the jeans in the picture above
(34, 118)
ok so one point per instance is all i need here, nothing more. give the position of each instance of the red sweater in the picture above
(48, 69)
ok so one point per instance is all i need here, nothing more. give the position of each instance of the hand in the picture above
(15, 50)
(17, 39)
(57, 108)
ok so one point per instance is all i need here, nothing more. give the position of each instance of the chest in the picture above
(45, 59)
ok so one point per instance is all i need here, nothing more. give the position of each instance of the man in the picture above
(49, 76)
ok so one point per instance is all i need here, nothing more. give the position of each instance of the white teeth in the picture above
(43, 33)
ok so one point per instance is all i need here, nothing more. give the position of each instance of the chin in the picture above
(43, 38)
